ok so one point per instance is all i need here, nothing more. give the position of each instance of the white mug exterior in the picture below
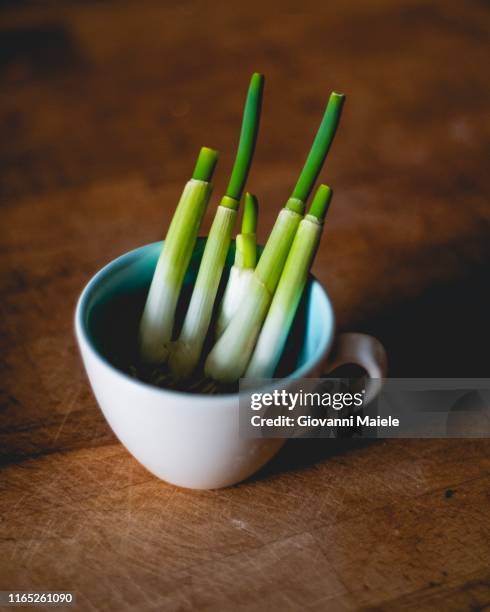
(190, 440)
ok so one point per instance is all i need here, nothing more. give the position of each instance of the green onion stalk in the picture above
(243, 267)
(277, 325)
(228, 359)
(186, 352)
(157, 322)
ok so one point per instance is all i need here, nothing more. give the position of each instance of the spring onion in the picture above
(187, 350)
(280, 316)
(157, 322)
(229, 357)
(243, 266)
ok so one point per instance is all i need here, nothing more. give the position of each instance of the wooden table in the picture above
(103, 107)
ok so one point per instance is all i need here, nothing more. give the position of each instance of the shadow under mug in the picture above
(191, 439)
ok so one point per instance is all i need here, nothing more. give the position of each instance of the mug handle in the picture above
(364, 351)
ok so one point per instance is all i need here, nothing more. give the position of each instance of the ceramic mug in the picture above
(189, 439)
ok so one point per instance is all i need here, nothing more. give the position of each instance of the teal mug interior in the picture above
(111, 304)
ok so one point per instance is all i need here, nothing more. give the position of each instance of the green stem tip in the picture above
(205, 165)
(321, 202)
(248, 137)
(250, 212)
(295, 205)
(320, 147)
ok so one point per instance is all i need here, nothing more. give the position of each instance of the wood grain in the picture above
(103, 108)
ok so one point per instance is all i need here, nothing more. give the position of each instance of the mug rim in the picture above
(84, 337)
